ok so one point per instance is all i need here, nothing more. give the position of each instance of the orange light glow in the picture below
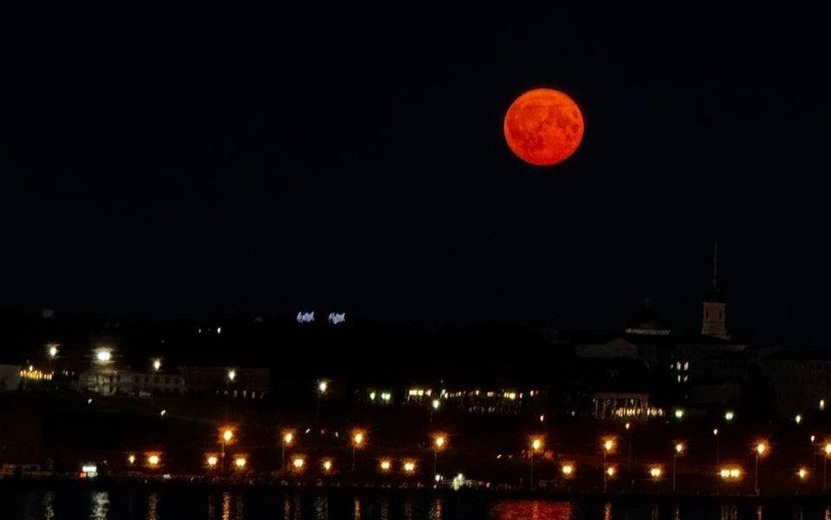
(543, 127)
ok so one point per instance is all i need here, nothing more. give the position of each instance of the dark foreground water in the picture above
(143, 504)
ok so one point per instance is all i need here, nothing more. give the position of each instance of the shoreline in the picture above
(155, 485)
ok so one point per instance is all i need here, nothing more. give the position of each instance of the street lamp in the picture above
(358, 438)
(103, 355)
(608, 447)
(52, 349)
(439, 443)
(225, 437)
(434, 407)
(537, 444)
(761, 449)
(679, 450)
(322, 387)
(153, 460)
(288, 438)
(157, 364)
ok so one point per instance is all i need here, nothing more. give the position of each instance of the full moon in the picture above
(543, 126)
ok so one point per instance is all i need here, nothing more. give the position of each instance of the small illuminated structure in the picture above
(89, 471)
(679, 413)
(656, 472)
(610, 471)
(327, 465)
(730, 473)
(385, 465)
(240, 461)
(567, 469)
(322, 386)
(131, 459)
(729, 415)
(157, 364)
(436, 404)
(212, 461)
(232, 374)
(337, 317)
(52, 349)
(802, 473)
(409, 467)
(305, 317)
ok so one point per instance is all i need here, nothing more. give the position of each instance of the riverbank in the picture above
(366, 489)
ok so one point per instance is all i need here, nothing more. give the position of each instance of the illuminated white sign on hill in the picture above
(305, 317)
(337, 317)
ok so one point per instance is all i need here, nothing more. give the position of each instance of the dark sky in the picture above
(350, 156)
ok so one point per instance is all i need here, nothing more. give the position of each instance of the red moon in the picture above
(543, 126)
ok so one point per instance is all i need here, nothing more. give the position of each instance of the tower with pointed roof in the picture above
(714, 320)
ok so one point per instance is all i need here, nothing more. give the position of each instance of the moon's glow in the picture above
(543, 126)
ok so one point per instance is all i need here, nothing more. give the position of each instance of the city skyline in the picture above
(351, 159)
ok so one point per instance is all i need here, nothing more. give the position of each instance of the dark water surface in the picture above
(171, 504)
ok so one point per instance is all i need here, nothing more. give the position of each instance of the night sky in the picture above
(350, 157)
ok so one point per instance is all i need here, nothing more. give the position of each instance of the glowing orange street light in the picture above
(439, 443)
(240, 461)
(679, 450)
(226, 435)
(608, 447)
(537, 444)
(298, 462)
(288, 438)
(153, 460)
(385, 465)
(827, 449)
(409, 467)
(655, 472)
(567, 469)
(327, 465)
(212, 461)
(358, 440)
(760, 449)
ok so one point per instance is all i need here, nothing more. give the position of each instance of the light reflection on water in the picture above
(100, 506)
(435, 510)
(729, 512)
(538, 510)
(345, 505)
(49, 505)
(153, 506)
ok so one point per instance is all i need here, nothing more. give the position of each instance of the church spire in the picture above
(713, 322)
(715, 264)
